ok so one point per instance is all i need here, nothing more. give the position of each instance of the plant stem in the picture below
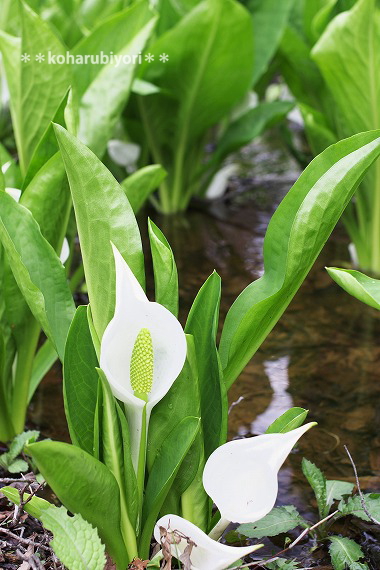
(141, 460)
(219, 529)
(25, 358)
(163, 188)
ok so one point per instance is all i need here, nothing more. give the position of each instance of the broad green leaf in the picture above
(172, 12)
(47, 146)
(269, 19)
(347, 54)
(280, 519)
(291, 419)
(37, 270)
(190, 102)
(300, 71)
(103, 214)
(202, 324)
(85, 486)
(75, 542)
(336, 490)
(182, 401)
(9, 167)
(124, 35)
(348, 57)
(360, 286)
(353, 506)
(318, 132)
(48, 198)
(165, 269)
(161, 477)
(250, 125)
(345, 553)
(115, 453)
(201, 92)
(295, 236)
(140, 185)
(43, 361)
(317, 482)
(41, 84)
(80, 382)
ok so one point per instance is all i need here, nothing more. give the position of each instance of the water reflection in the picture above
(277, 372)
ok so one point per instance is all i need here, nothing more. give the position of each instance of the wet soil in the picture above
(323, 355)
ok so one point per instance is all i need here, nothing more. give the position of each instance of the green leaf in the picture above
(189, 102)
(37, 270)
(181, 401)
(139, 185)
(76, 543)
(18, 466)
(280, 519)
(103, 214)
(201, 91)
(347, 54)
(115, 453)
(250, 125)
(295, 236)
(165, 269)
(37, 86)
(360, 286)
(124, 35)
(317, 482)
(348, 57)
(289, 420)
(85, 486)
(202, 324)
(353, 506)
(80, 382)
(48, 198)
(18, 443)
(43, 361)
(336, 490)
(269, 20)
(47, 146)
(161, 477)
(345, 553)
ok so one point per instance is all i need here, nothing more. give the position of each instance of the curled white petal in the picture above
(207, 554)
(241, 476)
(65, 251)
(133, 311)
(14, 192)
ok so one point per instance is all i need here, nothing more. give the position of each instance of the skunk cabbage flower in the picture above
(142, 351)
(241, 475)
(206, 554)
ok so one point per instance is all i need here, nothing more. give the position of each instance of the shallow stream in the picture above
(323, 355)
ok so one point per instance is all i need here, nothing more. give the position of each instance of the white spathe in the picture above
(14, 192)
(133, 311)
(207, 554)
(241, 475)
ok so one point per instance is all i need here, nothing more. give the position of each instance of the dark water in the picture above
(323, 355)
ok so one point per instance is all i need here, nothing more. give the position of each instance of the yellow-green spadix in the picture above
(206, 554)
(241, 475)
(142, 352)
